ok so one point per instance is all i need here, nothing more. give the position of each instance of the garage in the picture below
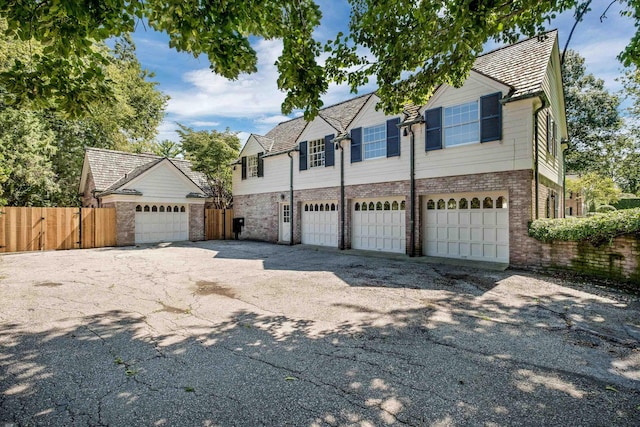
(161, 223)
(471, 226)
(320, 223)
(379, 224)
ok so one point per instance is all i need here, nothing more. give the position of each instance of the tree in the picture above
(629, 166)
(26, 147)
(167, 148)
(593, 121)
(595, 190)
(412, 46)
(129, 124)
(211, 152)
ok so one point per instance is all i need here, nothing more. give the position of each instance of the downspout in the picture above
(564, 144)
(291, 195)
(337, 141)
(536, 171)
(412, 182)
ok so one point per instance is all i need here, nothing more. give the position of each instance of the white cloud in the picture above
(167, 130)
(272, 120)
(208, 94)
(203, 124)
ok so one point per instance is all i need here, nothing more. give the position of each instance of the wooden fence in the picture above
(34, 229)
(218, 224)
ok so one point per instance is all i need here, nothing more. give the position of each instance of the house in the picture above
(574, 204)
(458, 177)
(157, 199)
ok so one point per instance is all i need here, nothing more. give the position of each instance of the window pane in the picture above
(252, 165)
(374, 140)
(461, 125)
(316, 153)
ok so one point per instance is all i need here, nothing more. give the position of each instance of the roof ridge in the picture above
(122, 152)
(518, 42)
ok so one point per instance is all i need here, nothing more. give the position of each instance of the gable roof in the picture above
(520, 66)
(113, 169)
(284, 136)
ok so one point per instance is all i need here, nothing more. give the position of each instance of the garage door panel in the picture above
(160, 226)
(320, 223)
(468, 226)
(381, 228)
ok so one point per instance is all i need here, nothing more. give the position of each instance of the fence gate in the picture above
(218, 224)
(32, 229)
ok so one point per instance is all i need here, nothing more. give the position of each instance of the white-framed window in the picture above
(252, 166)
(316, 153)
(461, 124)
(374, 141)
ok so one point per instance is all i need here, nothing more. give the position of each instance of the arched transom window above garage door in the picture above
(320, 207)
(467, 202)
(160, 209)
(379, 205)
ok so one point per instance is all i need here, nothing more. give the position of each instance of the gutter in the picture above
(536, 168)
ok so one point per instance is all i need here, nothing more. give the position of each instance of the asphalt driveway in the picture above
(242, 333)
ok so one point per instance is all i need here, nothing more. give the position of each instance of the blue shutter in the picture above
(243, 162)
(490, 118)
(303, 155)
(393, 137)
(329, 151)
(433, 135)
(356, 145)
(260, 165)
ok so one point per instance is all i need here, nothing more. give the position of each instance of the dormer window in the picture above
(461, 125)
(252, 166)
(316, 153)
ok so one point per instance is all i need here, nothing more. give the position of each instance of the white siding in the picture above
(550, 164)
(513, 152)
(381, 169)
(320, 176)
(276, 176)
(163, 182)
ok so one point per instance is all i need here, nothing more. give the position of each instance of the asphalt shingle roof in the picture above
(521, 66)
(113, 169)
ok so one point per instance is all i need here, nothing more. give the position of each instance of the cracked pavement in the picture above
(244, 333)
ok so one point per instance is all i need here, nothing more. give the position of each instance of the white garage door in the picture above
(161, 223)
(467, 226)
(379, 225)
(320, 223)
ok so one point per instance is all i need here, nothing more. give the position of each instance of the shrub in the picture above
(596, 229)
(605, 208)
(627, 203)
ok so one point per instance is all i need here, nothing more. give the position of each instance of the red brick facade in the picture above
(261, 211)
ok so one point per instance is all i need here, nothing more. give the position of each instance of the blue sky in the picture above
(251, 104)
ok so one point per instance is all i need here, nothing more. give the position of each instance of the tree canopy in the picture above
(212, 152)
(411, 46)
(596, 190)
(42, 147)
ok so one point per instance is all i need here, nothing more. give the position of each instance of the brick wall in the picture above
(261, 210)
(518, 185)
(196, 222)
(618, 260)
(125, 222)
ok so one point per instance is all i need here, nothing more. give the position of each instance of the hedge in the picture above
(596, 229)
(627, 204)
